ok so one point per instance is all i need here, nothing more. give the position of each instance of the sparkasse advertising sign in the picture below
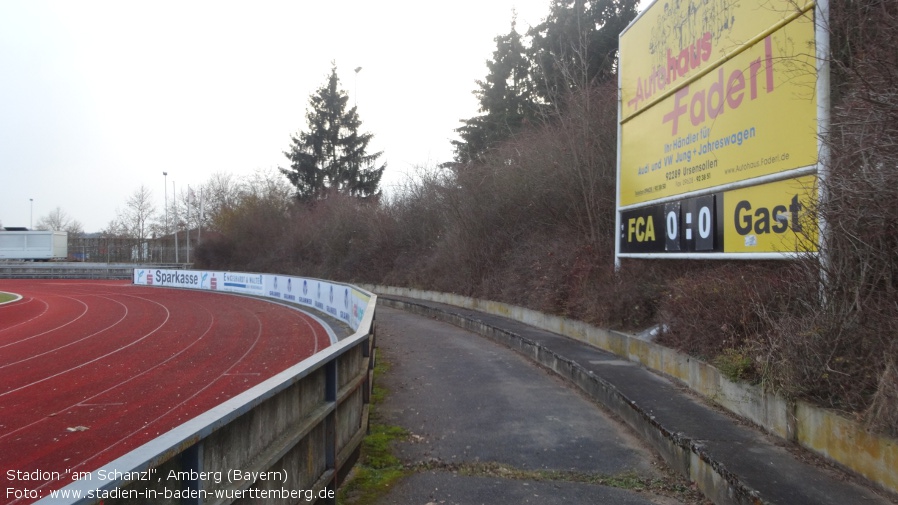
(341, 301)
(715, 96)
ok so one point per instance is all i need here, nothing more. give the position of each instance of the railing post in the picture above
(192, 459)
(330, 424)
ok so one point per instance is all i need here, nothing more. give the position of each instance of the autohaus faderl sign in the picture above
(718, 144)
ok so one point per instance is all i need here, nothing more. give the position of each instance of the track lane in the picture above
(208, 349)
(65, 309)
(26, 349)
(64, 367)
(19, 313)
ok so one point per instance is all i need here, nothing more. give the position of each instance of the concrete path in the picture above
(485, 423)
(468, 401)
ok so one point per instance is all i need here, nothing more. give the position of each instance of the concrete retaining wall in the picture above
(838, 439)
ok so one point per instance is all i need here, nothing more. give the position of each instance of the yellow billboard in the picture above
(753, 115)
(775, 217)
(672, 42)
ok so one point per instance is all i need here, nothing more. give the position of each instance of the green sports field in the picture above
(5, 297)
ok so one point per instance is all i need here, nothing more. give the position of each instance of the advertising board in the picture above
(340, 301)
(715, 97)
(672, 42)
(754, 115)
(767, 218)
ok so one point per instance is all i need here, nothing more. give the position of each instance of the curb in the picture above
(16, 297)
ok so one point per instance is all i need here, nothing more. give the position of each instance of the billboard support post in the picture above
(823, 126)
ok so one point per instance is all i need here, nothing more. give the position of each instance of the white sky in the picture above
(99, 97)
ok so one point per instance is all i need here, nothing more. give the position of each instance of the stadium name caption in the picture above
(218, 476)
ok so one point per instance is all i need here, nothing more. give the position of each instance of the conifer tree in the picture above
(576, 46)
(505, 99)
(331, 156)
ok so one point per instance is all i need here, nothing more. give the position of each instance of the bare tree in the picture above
(58, 220)
(135, 220)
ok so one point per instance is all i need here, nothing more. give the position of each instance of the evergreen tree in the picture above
(575, 47)
(331, 156)
(505, 99)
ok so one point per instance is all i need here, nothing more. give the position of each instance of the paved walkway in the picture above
(468, 400)
(484, 421)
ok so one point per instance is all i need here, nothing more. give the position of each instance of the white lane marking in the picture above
(51, 329)
(34, 356)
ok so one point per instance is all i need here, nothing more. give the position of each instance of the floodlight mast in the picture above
(165, 190)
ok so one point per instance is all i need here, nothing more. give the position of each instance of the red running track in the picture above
(92, 369)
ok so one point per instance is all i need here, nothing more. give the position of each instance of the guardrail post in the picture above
(192, 459)
(368, 352)
(330, 424)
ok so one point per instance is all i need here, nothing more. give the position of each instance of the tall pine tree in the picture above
(332, 155)
(575, 47)
(505, 99)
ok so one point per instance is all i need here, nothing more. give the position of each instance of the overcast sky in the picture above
(100, 97)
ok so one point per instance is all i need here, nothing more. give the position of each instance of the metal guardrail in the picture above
(293, 437)
(72, 270)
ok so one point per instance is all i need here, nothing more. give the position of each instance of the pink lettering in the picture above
(725, 91)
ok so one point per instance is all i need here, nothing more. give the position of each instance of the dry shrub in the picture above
(533, 224)
(860, 314)
(833, 359)
(216, 252)
(341, 238)
(480, 227)
(626, 299)
(882, 413)
(250, 239)
(248, 220)
(539, 273)
(629, 299)
(721, 306)
(840, 350)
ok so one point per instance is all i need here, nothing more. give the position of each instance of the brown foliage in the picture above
(533, 224)
(711, 308)
(829, 333)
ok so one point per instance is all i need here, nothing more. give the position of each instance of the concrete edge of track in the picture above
(16, 297)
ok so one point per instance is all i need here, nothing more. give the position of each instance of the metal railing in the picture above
(71, 270)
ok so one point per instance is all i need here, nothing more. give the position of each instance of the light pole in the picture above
(187, 260)
(31, 218)
(174, 196)
(165, 186)
(355, 98)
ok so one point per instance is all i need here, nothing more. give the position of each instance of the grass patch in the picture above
(736, 365)
(630, 481)
(6, 297)
(378, 468)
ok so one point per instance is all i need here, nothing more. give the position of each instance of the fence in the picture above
(132, 250)
(68, 270)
